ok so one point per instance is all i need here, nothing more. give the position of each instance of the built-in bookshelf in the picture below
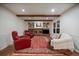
(44, 25)
(39, 27)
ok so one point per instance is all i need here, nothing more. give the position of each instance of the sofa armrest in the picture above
(62, 40)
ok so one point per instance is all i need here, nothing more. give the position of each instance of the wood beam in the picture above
(38, 20)
(38, 15)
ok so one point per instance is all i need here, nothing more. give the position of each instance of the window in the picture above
(56, 27)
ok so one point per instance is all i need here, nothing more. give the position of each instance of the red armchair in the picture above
(27, 33)
(20, 42)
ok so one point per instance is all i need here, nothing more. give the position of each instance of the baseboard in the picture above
(4, 47)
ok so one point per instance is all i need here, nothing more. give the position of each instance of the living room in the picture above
(52, 28)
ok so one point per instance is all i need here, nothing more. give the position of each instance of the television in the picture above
(45, 31)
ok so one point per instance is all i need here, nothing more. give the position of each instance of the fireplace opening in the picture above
(45, 31)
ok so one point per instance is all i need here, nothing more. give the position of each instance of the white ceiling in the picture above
(38, 8)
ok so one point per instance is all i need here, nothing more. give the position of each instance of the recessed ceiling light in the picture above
(23, 10)
(53, 10)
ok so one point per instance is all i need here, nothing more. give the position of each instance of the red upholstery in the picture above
(28, 33)
(14, 35)
(20, 42)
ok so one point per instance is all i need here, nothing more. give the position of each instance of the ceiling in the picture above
(38, 8)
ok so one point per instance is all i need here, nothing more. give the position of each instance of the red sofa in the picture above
(21, 42)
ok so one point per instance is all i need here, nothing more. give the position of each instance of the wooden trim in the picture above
(38, 15)
(38, 20)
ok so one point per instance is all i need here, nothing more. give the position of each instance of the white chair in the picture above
(65, 42)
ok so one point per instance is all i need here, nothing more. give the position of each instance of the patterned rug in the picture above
(37, 52)
(38, 47)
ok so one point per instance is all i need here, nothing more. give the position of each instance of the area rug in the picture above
(38, 48)
(37, 52)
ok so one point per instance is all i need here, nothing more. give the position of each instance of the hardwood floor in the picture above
(7, 51)
(10, 50)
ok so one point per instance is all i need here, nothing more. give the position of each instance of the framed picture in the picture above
(38, 24)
